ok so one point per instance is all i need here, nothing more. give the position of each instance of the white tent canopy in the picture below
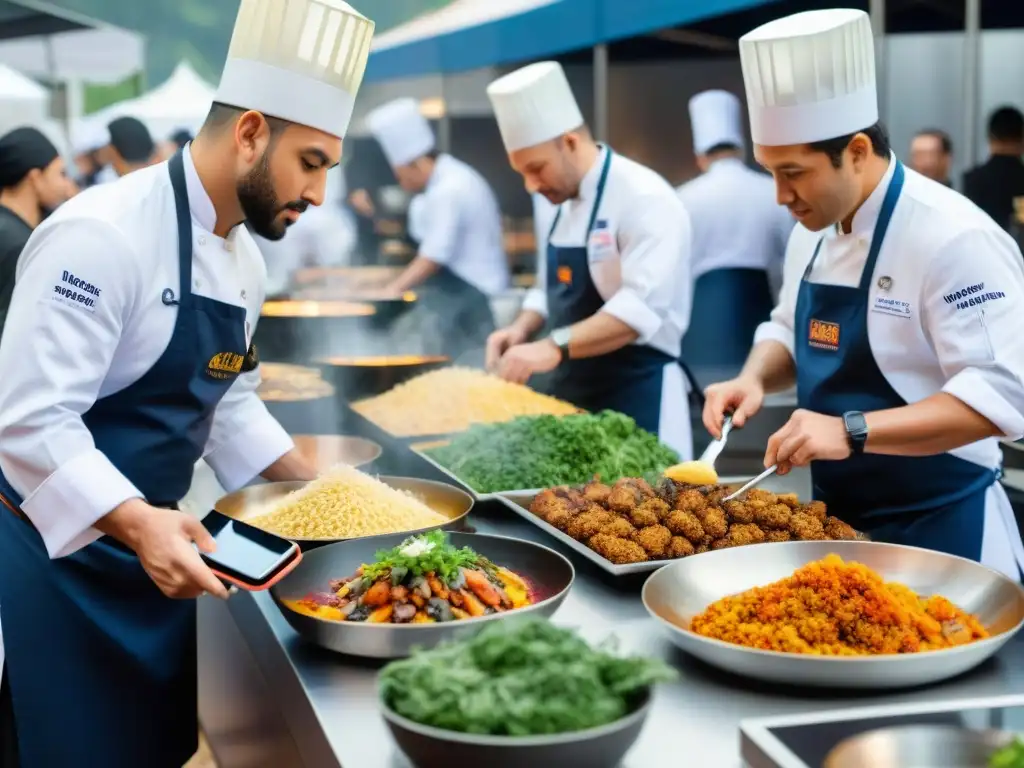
(103, 56)
(22, 100)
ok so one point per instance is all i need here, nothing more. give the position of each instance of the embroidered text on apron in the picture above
(102, 666)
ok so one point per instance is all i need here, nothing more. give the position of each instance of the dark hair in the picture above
(433, 154)
(942, 136)
(834, 148)
(725, 146)
(221, 115)
(1006, 124)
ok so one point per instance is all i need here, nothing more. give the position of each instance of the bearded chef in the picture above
(901, 310)
(739, 237)
(456, 221)
(128, 357)
(614, 280)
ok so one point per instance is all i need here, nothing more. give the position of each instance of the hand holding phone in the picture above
(248, 557)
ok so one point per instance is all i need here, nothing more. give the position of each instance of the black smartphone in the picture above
(247, 556)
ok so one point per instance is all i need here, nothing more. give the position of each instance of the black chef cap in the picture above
(131, 139)
(23, 150)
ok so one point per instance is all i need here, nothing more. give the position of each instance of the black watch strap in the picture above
(856, 431)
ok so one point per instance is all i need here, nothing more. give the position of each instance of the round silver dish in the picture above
(602, 747)
(676, 593)
(550, 574)
(451, 502)
(918, 746)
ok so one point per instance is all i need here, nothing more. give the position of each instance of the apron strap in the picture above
(597, 200)
(183, 215)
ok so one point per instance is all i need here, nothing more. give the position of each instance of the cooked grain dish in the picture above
(345, 504)
(282, 382)
(451, 400)
(834, 608)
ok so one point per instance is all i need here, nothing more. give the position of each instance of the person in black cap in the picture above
(132, 145)
(32, 184)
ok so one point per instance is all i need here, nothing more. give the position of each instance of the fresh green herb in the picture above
(545, 451)
(518, 677)
(442, 559)
(1010, 756)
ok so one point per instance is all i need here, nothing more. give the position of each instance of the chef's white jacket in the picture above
(737, 221)
(458, 223)
(946, 312)
(59, 357)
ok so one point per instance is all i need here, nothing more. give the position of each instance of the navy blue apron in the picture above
(627, 380)
(101, 665)
(935, 502)
(727, 307)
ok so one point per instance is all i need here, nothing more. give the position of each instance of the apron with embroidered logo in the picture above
(101, 665)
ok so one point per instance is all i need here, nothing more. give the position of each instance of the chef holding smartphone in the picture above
(127, 356)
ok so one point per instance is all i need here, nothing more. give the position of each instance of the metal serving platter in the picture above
(420, 449)
(679, 591)
(453, 503)
(549, 573)
(919, 746)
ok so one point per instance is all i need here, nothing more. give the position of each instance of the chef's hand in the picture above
(807, 437)
(741, 396)
(163, 538)
(519, 363)
(499, 342)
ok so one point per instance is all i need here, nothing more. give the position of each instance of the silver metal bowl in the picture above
(676, 593)
(326, 451)
(602, 747)
(549, 573)
(919, 746)
(451, 502)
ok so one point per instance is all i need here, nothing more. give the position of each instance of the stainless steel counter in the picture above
(269, 699)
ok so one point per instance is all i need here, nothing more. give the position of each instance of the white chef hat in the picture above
(401, 130)
(810, 77)
(533, 105)
(89, 136)
(715, 117)
(297, 60)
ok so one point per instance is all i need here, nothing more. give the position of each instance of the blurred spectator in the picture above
(181, 137)
(993, 185)
(931, 155)
(133, 147)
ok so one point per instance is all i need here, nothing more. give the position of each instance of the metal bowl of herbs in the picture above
(525, 693)
(548, 575)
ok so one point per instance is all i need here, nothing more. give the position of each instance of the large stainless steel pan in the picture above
(549, 573)
(919, 746)
(679, 591)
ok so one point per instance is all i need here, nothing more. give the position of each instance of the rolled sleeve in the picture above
(973, 297)
(76, 283)
(536, 300)
(634, 311)
(245, 439)
(437, 220)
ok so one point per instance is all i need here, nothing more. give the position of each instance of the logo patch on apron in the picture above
(225, 365)
(565, 275)
(822, 335)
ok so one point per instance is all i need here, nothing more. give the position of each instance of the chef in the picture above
(131, 358)
(739, 238)
(132, 146)
(901, 310)
(32, 184)
(614, 280)
(460, 261)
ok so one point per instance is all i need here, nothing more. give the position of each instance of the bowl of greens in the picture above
(523, 693)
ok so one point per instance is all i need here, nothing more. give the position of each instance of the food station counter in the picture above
(268, 698)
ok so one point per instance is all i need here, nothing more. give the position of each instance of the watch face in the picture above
(855, 422)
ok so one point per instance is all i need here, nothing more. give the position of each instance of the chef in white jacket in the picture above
(127, 356)
(901, 310)
(614, 280)
(739, 237)
(456, 222)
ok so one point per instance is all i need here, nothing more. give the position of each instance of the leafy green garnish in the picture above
(545, 451)
(518, 677)
(1010, 756)
(443, 559)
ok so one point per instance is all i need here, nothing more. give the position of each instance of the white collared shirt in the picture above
(737, 221)
(458, 223)
(60, 355)
(946, 302)
(643, 270)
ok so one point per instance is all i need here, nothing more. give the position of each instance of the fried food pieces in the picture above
(834, 608)
(633, 522)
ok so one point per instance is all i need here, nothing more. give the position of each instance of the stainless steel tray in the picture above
(919, 746)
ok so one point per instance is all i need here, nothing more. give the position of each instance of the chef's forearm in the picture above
(599, 334)
(770, 364)
(291, 466)
(415, 274)
(935, 425)
(527, 324)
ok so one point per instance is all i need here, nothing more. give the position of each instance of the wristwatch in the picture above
(562, 336)
(856, 431)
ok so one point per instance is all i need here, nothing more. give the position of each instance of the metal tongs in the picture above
(715, 447)
(756, 481)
